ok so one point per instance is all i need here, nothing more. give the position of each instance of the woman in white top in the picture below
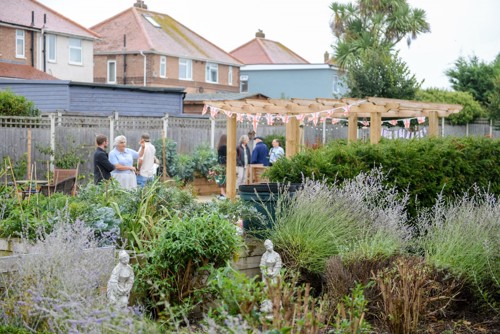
(276, 152)
(123, 159)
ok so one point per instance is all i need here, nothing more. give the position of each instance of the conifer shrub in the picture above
(425, 167)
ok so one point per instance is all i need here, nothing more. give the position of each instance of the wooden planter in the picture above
(201, 186)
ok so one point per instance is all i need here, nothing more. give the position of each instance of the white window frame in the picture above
(108, 72)
(20, 37)
(188, 69)
(51, 46)
(243, 83)
(75, 48)
(209, 68)
(163, 67)
(230, 76)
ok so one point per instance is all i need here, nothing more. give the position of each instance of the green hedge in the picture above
(424, 166)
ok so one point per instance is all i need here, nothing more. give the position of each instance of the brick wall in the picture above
(8, 46)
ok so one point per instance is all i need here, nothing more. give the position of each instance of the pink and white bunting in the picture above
(255, 121)
(240, 117)
(269, 119)
(214, 111)
(314, 117)
(407, 122)
(205, 109)
(420, 120)
(393, 122)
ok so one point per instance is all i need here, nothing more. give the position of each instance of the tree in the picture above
(16, 105)
(382, 74)
(471, 110)
(374, 24)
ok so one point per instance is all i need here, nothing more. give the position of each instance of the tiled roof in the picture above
(264, 51)
(18, 12)
(17, 71)
(222, 96)
(170, 38)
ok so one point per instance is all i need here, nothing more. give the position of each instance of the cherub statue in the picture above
(121, 281)
(270, 263)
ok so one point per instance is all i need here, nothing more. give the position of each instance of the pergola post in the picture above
(352, 130)
(375, 127)
(231, 158)
(292, 137)
(433, 124)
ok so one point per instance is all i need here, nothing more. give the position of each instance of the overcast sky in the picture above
(459, 27)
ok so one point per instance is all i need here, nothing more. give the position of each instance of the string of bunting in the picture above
(313, 117)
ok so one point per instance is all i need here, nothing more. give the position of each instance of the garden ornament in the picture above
(270, 263)
(121, 281)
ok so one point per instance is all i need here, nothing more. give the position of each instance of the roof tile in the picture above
(18, 71)
(264, 51)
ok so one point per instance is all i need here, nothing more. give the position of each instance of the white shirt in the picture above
(148, 160)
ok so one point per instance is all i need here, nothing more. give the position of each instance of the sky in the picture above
(458, 27)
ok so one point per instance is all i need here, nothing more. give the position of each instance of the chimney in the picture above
(260, 34)
(140, 4)
(326, 57)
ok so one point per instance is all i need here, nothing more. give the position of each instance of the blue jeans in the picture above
(142, 180)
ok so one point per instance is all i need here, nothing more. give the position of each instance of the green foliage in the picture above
(16, 105)
(382, 74)
(204, 159)
(170, 273)
(20, 167)
(463, 237)
(67, 156)
(425, 167)
(6, 329)
(171, 154)
(474, 76)
(350, 318)
(374, 25)
(185, 167)
(471, 108)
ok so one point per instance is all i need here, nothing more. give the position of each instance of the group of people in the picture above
(119, 163)
(245, 157)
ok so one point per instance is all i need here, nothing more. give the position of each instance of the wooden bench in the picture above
(255, 173)
(64, 182)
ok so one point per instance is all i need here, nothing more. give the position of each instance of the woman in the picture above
(123, 160)
(243, 158)
(276, 152)
(222, 158)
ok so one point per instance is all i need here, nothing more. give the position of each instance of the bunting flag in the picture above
(335, 121)
(346, 109)
(407, 123)
(394, 122)
(205, 109)
(300, 117)
(240, 117)
(228, 113)
(284, 118)
(270, 119)
(214, 111)
(314, 117)
(255, 121)
(420, 120)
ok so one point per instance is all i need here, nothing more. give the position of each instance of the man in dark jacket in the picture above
(102, 166)
(260, 152)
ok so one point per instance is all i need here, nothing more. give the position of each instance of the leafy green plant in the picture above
(16, 105)
(170, 152)
(350, 318)
(67, 156)
(204, 159)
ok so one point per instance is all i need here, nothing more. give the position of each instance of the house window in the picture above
(51, 48)
(244, 83)
(20, 44)
(163, 67)
(75, 51)
(230, 76)
(211, 73)
(185, 69)
(111, 71)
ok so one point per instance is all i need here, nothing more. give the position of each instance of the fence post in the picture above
(491, 128)
(442, 127)
(324, 132)
(112, 120)
(52, 117)
(59, 118)
(212, 132)
(467, 129)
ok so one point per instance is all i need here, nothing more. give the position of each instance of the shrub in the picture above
(363, 218)
(350, 317)
(462, 237)
(204, 159)
(170, 152)
(171, 271)
(424, 167)
(16, 105)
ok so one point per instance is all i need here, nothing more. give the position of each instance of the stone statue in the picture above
(270, 266)
(121, 281)
(270, 263)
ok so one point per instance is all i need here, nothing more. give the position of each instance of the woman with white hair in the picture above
(123, 160)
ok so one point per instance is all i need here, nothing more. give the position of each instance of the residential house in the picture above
(142, 47)
(276, 71)
(32, 34)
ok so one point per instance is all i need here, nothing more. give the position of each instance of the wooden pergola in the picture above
(373, 108)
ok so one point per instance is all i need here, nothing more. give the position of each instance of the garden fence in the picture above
(63, 132)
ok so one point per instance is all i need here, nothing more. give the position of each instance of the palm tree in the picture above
(374, 24)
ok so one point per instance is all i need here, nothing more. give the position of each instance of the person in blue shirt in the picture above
(260, 152)
(276, 152)
(123, 160)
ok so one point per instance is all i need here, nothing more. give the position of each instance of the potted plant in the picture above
(218, 174)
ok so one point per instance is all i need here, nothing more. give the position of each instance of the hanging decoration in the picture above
(270, 119)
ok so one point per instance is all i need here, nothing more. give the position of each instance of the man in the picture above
(260, 152)
(146, 161)
(102, 166)
(276, 152)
